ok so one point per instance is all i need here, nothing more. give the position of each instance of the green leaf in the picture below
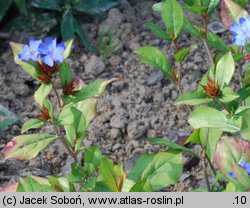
(47, 4)
(209, 138)
(194, 137)
(74, 123)
(158, 7)
(89, 185)
(242, 3)
(87, 44)
(241, 110)
(200, 189)
(67, 51)
(92, 159)
(228, 95)
(170, 144)
(94, 89)
(212, 6)
(216, 42)
(190, 28)
(95, 7)
(88, 109)
(78, 171)
(68, 115)
(31, 124)
(142, 186)
(67, 26)
(156, 58)
(61, 184)
(160, 170)
(231, 12)
(231, 188)
(27, 67)
(172, 16)
(245, 127)
(110, 177)
(196, 9)
(181, 54)
(225, 70)
(193, 98)
(246, 80)
(21, 4)
(190, 2)
(7, 118)
(229, 153)
(158, 31)
(4, 6)
(42, 92)
(244, 94)
(65, 73)
(34, 184)
(26, 147)
(213, 40)
(212, 118)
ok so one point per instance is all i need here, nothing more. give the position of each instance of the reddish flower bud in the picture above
(69, 88)
(212, 88)
(44, 115)
(44, 78)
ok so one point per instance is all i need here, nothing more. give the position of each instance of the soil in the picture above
(142, 105)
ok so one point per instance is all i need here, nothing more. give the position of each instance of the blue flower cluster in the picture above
(245, 166)
(49, 51)
(241, 31)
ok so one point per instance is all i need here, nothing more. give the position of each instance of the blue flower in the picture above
(51, 51)
(30, 52)
(241, 31)
(231, 174)
(246, 166)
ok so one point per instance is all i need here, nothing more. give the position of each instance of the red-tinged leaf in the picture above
(231, 12)
(230, 150)
(229, 153)
(10, 188)
(79, 84)
(26, 147)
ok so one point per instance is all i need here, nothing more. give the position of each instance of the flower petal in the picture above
(34, 55)
(34, 44)
(48, 41)
(242, 20)
(246, 166)
(58, 58)
(47, 60)
(236, 29)
(231, 174)
(239, 40)
(24, 56)
(43, 49)
(54, 41)
(60, 48)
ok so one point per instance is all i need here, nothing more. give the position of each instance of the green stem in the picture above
(72, 154)
(178, 84)
(204, 39)
(57, 97)
(59, 133)
(204, 162)
(223, 105)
